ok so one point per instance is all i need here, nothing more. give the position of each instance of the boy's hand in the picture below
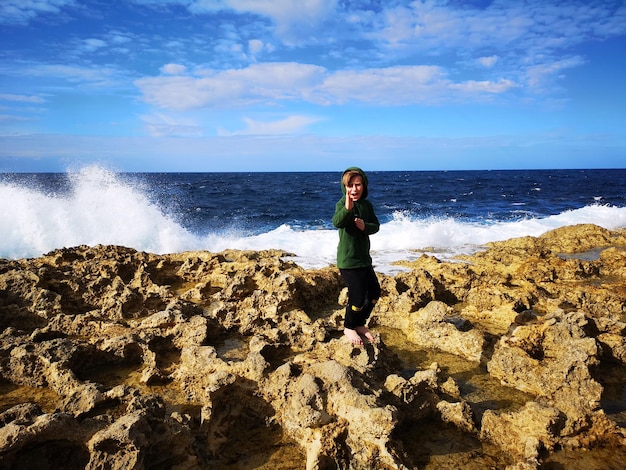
(360, 224)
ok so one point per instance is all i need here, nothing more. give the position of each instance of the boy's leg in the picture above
(356, 281)
(361, 329)
(373, 294)
(351, 325)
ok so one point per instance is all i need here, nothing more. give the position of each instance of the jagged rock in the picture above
(31, 439)
(526, 432)
(190, 360)
(458, 413)
(436, 326)
(553, 360)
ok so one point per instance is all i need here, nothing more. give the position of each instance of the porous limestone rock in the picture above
(199, 360)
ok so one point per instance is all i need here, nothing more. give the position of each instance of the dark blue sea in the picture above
(444, 213)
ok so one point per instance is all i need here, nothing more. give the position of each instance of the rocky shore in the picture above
(117, 359)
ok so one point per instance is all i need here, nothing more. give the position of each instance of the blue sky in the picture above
(305, 85)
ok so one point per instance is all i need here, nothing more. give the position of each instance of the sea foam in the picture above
(102, 207)
(99, 209)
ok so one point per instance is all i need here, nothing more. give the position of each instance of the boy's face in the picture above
(354, 189)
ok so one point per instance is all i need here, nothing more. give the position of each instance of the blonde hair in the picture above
(348, 175)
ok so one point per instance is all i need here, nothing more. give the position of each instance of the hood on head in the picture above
(363, 175)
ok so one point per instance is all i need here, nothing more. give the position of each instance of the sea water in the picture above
(444, 213)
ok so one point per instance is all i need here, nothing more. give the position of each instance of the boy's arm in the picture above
(342, 215)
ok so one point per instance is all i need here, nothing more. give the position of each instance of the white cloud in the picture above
(180, 92)
(92, 44)
(437, 27)
(296, 20)
(287, 126)
(272, 83)
(173, 69)
(386, 86)
(277, 79)
(255, 46)
(501, 34)
(488, 61)
(397, 25)
(13, 118)
(159, 125)
(95, 76)
(118, 37)
(484, 86)
(22, 11)
(21, 98)
(539, 75)
(258, 82)
(428, 25)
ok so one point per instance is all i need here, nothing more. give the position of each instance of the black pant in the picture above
(363, 292)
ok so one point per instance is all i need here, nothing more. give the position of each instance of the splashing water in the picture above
(99, 209)
(99, 206)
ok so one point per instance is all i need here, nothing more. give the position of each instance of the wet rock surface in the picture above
(113, 358)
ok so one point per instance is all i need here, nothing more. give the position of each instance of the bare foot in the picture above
(352, 336)
(363, 330)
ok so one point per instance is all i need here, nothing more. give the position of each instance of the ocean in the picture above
(442, 213)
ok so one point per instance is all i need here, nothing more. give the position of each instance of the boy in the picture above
(356, 221)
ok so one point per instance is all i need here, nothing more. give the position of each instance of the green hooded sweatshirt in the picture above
(353, 250)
